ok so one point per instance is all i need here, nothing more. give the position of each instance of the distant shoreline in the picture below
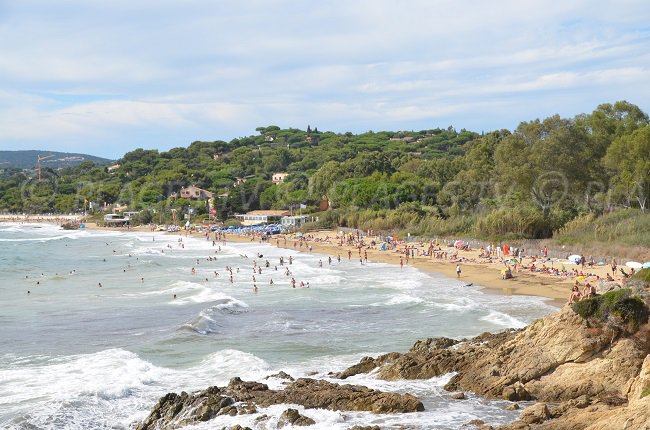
(50, 219)
(487, 276)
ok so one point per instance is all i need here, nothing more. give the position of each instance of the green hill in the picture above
(27, 159)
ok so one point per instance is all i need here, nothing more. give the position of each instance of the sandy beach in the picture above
(474, 270)
(485, 275)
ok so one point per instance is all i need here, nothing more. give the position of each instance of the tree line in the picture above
(527, 182)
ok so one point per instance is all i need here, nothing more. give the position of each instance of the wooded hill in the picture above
(527, 182)
(27, 159)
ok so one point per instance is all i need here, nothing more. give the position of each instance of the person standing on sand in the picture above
(458, 270)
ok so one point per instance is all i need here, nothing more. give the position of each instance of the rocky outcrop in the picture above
(240, 397)
(179, 410)
(291, 417)
(313, 393)
(569, 366)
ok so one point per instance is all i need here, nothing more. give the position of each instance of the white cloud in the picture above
(75, 70)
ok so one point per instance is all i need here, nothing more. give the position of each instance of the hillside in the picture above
(528, 183)
(27, 159)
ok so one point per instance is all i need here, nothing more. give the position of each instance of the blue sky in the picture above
(108, 77)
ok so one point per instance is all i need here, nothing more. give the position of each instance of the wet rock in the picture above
(178, 410)
(512, 407)
(281, 375)
(457, 396)
(366, 365)
(312, 393)
(293, 417)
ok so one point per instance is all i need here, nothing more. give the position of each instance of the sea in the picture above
(96, 326)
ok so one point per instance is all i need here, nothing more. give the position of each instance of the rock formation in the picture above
(573, 369)
(240, 397)
(589, 372)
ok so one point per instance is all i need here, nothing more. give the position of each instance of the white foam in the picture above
(401, 299)
(460, 304)
(502, 319)
(114, 385)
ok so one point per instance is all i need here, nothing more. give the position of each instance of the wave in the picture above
(403, 299)
(111, 386)
(505, 320)
(207, 321)
(41, 239)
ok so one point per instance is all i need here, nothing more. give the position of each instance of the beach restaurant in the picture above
(261, 217)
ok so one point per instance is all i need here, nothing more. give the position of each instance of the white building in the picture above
(261, 217)
(279, 177)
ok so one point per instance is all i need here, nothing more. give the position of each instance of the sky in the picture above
(107, 77)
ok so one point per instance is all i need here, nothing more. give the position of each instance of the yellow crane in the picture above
(38, 163)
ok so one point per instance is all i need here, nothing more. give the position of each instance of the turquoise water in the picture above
(76, 355)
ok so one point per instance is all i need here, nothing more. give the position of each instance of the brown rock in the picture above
(281, 375)
(535, 414)
(426, 346)
(457, 396)
(293, 417)
(365, 428)
(175, 411)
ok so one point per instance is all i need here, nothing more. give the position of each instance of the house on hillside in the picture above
(279, 177)
(239, 181)
(195, 193)
(261, 217)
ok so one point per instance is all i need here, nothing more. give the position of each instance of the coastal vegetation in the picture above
(619, 307)
(580, 180)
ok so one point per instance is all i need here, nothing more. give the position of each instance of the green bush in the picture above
(632, 311)
(629, 227)
(628, 310)
(232, 222)
(587, 308)
(643, 275)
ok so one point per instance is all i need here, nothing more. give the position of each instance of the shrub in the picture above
(618, 305)
(232, 222)
(632, 311)
(643, 275)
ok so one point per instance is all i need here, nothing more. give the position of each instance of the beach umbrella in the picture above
(458, 243)
(646, 265)
(514, 261)
(574, 258)
(634, 265)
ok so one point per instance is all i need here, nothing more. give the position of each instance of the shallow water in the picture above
(77, 356)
